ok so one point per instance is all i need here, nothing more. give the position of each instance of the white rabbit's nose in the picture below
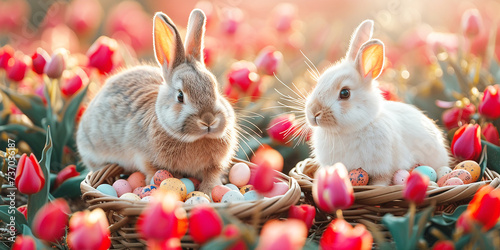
(317, 117)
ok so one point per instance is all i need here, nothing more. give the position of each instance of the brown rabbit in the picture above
(147, 118)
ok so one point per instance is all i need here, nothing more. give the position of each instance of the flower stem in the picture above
(340, 216)
(413, 209)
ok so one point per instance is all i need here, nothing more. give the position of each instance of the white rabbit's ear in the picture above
(362, 34)
(194, 35)
(168, 47)
(370, 59)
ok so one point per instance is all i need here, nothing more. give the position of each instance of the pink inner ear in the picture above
(164, 39)
(372, 60)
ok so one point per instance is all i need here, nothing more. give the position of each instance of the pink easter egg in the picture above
(137, 179)
(138, 190)
(122, 186)
(148, 190)
(400, 177)
(239, 174)
(453, 181)
(279, 188)
(218, 192)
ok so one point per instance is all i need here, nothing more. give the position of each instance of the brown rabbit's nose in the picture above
(208, 122)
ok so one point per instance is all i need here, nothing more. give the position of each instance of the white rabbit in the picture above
(147, 118)
(352, 123)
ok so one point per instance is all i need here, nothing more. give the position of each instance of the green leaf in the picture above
(71, 187)
(311, 245)
(483, 160)
(6, 212)
(36, 201)
(493, 152)
(38, 242)
(31, 105)
(34, 136)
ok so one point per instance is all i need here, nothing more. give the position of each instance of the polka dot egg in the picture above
(122, 186)
(161, 175)
(189, 185)
(138, 191)
(442, 171)
(196, 193)
(453, 181)
(246, 189)
(197, 200)
(460, 173)
(174, 185)
(148, 190)
(358, 177)
(428, 171)
(232, 196)
(472, 167)
(400, 177)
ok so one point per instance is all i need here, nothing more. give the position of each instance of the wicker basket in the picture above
(371, 203)
(122, 214)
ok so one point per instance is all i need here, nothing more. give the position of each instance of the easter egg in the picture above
(279, 188)
(147, 198)
(218, 192)
(460, 173)
(433, 184)
(239, 174)
(196, 182)
(130, 196)
(137, 179)
(161, 175)
(472, 167)
(232, 186)
(428, 171)
(122, 186)
(400, 177)
(358, 177)
(251, 195)
(138, 190)
(246, 188)
(232, 196)
(148, 190)
(453, 181)
(189, 185)
(174, 185)
(442, 171)
(107, 189)
(196, 193)
(197, 200)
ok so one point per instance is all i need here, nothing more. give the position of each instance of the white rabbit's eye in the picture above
(344, 93)
(180, 97)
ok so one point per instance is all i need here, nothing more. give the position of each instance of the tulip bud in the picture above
(243, 74)
(101, 53)
(163, 218)
(231, 19)
(332, 188)
(472, 22)
(305, 213)
(444, 245)
(485, 207)
(490, 132)
(263, 178)
(204, 224)
(57, 64)
(39, 59)
(89, 230)
(66, 173)
(24, 210)
(289, 234)
(415, 188)
(78, 13)
(284, 16)
(72, 85)
(341, 235)
(24, 242)
(51, 220)
(466, 144)
(29, 175)
(268, 156)
(6, 53)
(456, 117)
(490, 104)
(268, 60)
(282, 128)
(16, 69)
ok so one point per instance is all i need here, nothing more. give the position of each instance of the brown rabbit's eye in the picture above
(344, 94)
(180, 97)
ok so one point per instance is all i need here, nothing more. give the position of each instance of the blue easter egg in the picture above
(232, 196)
(232, 186)
(428, 171)
(189, 184)
(107, 189)
(251, 195)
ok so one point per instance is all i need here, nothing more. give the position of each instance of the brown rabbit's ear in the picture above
(362, 34)
(168, 47)
(370, 59)
(195, 34)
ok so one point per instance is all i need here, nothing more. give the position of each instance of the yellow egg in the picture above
(472, 167)
(246, 188)
(197, 193)
(174, 185)
(358, 177)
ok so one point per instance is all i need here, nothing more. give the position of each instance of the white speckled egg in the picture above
(197, 200)
(197, 193)
(130, 196)
(232, 196)
(442, 171)
(251, 195)
(107, 189)
(453, 181)
(122, 186)
(232, 186)
(147, 198)
(400, 177)
(428, 171)
(239, 174)
(174, 185)
(189, 184)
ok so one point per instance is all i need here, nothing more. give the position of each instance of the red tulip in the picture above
(89, 230)
(464, 222)
(472, 23)
(72, 85)
(204, 224)
(287, 235)
(66, 173)
(485, 207)
(305, 213)
(466, 144)
(415, 188)
(388, 93)
(24, 242)
(243, 74)
(57, 64)
(24, 210)
(169, 244)
(100, 54)
(332, 188)
(29, 175)
(282, 128)
(51, 220)
(268, 156)
(16, 69)
(268, 60)
(444, 245)
(39, 59)
(490, 104)
(263, 178)
(491, 134)
(6, 53)
(456, 117)
(163, 218)
(341, 235)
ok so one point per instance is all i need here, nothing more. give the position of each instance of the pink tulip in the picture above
(51, 220)
(24, 242)
(466, 144)
(16, 69)
(89, 230)
(305, 213)
(472, 22)
(231, 20)
(29, 176)
(24, 210)
(287, 235)
(341, 235)
(332, 188)
(204, 224)
(72, 85)
(415, 188)
(6, 53)
(57, 64)
(282, 129)
(268, 60)
(490, 132)
(490, 104)
(455, 117)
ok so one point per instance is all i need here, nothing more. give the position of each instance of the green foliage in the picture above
(493, 153)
